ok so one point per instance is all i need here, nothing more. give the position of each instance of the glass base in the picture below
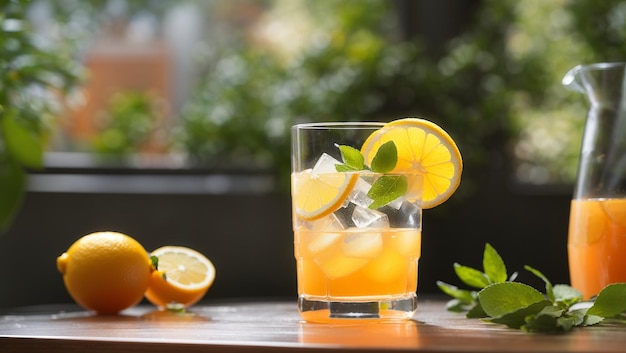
(321, 310)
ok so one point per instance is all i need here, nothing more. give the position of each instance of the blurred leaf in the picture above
(33, 76)
(24, 145)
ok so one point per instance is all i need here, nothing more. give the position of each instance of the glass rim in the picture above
(339, 125)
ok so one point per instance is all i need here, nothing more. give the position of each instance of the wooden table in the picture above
(276, 327)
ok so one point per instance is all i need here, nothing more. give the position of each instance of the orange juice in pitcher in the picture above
(597, 244)
(597, 227)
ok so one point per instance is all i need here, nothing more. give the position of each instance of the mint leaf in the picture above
(610, 301)
(549, 319)
(520, 306)
(386, 189)
(591, 320)
(503, 298)
(471, 276)
(566, 295)
(518, 318)
(344, 168)
(567, 322)
(493, 265)
(463, 298)
(477, 312)
(549, 290)
(457, 306)
(386, 158)
(464, 295)
(352, 158)
(553, 319)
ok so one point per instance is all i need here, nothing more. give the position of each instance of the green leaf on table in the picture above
(549, 289)
(12, 183)
(387, 188)
(386, 158)
(567, 295)
(352, 159)
(493, 265)
(23, 145)
(456, 306)
(519, 317)
(551, 319)
(477, 312)
(610, 301)
(503, 298)
(590, 320)
(471, 276)
(463, 295)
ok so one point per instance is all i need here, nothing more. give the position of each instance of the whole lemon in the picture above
(106, 271)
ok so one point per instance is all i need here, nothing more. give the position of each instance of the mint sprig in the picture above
(501, 300)
(386, 188)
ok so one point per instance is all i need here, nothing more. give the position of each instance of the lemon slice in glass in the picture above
(424, 149)
(318, 195)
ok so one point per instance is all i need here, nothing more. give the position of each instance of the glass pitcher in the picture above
(597, 226)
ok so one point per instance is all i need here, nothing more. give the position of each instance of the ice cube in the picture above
(358, 195)
(330, 223)
(397, 203)
(408, 215)
(323, 241)
(389, 267)
(365, 218)
(344, 215)
(325, 164)
(366, 245)
(407, 243)
(335, 264)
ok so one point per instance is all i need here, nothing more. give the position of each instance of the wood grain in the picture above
(277, 327)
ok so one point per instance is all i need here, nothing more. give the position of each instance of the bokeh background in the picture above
(169, 121)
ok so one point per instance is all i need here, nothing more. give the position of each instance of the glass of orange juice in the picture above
(357, 218)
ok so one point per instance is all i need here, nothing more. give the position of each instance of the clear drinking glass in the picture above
(355, 259)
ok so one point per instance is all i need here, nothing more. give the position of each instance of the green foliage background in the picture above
(31, 77)
(496, 87)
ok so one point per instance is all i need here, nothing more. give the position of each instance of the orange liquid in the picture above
(356, 265)
(597, 244)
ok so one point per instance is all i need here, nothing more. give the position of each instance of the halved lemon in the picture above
(183, 277)
(423, 148)
(318, 195)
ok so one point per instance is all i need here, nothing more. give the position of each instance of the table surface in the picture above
(270, 326)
